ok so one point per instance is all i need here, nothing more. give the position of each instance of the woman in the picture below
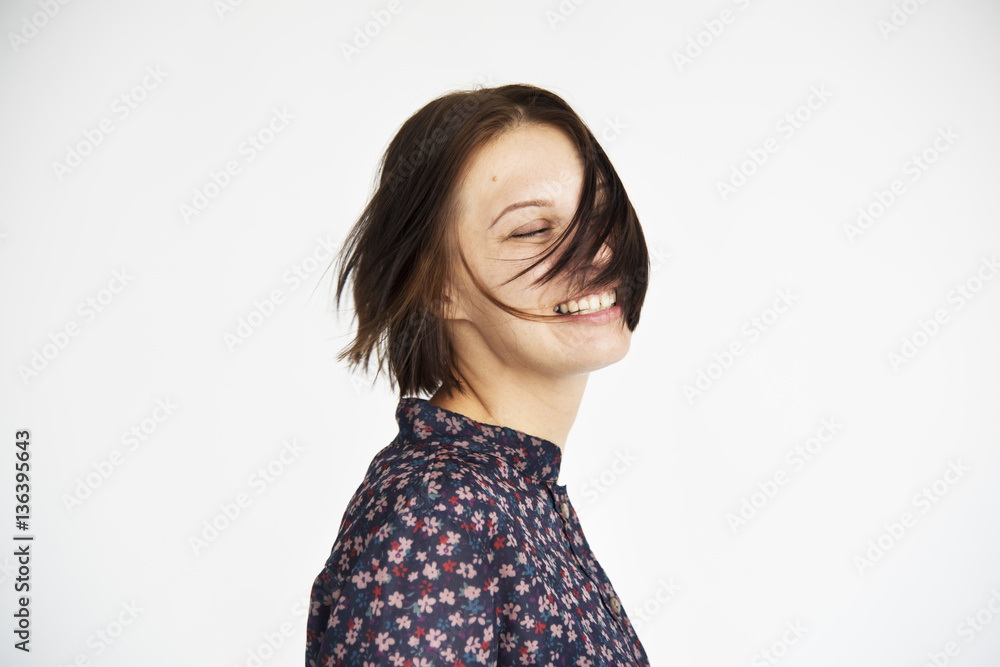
(497, 264)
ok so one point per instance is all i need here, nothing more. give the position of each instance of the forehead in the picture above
(530, 162)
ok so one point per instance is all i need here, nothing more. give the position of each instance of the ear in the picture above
(450, 303)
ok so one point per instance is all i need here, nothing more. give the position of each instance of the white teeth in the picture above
(589, 303)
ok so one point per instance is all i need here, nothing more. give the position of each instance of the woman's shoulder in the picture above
(415, 503)
(434, 477)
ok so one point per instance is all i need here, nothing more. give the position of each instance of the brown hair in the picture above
(398, 252)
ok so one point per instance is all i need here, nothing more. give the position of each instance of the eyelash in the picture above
(529, 234)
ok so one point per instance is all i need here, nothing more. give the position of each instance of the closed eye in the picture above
(527, 234)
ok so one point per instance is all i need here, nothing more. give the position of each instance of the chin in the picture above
(600, 355)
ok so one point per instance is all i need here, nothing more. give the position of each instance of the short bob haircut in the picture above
(401, 253)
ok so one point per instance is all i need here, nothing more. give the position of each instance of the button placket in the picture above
(611, 599)
(564, 509)
(562, 505)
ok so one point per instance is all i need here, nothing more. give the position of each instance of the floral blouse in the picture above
(459, 548)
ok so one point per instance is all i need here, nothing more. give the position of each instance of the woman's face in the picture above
(537, 164)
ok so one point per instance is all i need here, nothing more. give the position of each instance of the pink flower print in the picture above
(431, 526)
(376, 606)
(398, 550)
(384, 641)
(361, 579)
(426, 604)
(435, 637)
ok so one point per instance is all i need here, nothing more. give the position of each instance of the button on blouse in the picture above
(459, 548)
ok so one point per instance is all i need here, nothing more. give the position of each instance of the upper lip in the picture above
(596, 290)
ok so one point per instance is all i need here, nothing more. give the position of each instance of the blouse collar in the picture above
(536, 458)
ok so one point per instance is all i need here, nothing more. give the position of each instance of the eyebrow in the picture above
(532, 202)
(521, 204)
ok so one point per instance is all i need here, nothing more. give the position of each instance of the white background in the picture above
(674, 130)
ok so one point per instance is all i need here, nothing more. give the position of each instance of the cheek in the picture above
(500, 264)
(527, 291)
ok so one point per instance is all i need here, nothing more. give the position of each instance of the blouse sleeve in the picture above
(411, 587)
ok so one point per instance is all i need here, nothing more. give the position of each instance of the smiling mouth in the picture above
(591, 303)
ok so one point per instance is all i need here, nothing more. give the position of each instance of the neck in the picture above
(544, 407)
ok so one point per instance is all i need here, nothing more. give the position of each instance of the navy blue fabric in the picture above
(459, 548)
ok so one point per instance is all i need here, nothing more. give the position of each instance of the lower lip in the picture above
(600, 317)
